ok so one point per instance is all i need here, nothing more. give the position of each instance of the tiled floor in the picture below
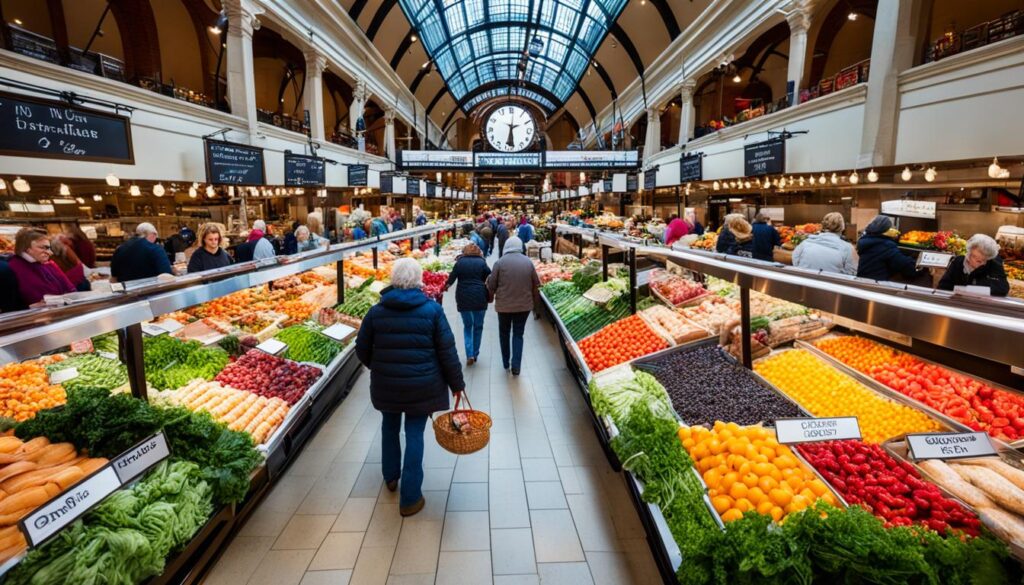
(539, 505)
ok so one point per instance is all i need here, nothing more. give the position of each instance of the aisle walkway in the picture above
(539, 505)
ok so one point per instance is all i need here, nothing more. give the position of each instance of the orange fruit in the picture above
(781, 497)
(738, 490)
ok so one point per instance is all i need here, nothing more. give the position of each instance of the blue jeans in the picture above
(512, 325)
(473, 331)
(411, 471)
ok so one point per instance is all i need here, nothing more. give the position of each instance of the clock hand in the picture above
(511, 139)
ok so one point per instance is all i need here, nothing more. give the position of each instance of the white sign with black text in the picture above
(810, 430)
(64, 509)
(140, 458)
(934, 259)
(949, 445)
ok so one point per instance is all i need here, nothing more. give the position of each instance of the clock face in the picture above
(510, 128)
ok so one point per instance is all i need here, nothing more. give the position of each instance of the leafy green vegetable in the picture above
(93, 372)
(307, 344)
(171, 363)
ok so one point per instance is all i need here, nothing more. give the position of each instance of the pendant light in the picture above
(716, 185)
(906, 175)
(210, 192)
(835, 179)
(65, 191)
(822, 180)
(3, 185)
(872, 176)
(192, 192)
(97, 197)
(854, 178)
(158, 190)
(134, 191)
(21, 185)
(930, 174)
(113, 181)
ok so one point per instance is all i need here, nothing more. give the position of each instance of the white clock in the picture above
(510, 128)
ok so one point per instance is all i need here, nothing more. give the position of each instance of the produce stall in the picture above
(694, 421)
(215, 381)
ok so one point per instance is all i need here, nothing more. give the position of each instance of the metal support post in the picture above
(580, 239)
(631, 255)
(605, 249)
(129, 342)
(745, 326)
(437, 243)
(341, 281)
(375, 257)
(554, 238)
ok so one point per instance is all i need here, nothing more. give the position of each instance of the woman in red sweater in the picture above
(37, 274)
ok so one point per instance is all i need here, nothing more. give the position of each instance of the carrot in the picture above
(18, 468)
(30, 498)
(54, 454)
(13, 517)
(9, 444)
(68, 477)
(11, 536)
(29, 479)
(34, 444)
(12, 551)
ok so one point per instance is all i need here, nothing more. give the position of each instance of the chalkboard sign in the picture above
(49, 129)
(357, 175)
(228, 163)
(632, 182)
(650, 179)
(691, 168)
(431, 190)
(303, 171)
(32, 45)
(412, 186)
(764, 158)
(387, 183)
(607, 186)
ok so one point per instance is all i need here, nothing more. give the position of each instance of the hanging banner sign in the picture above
(606, 187)
(431, 190)
(434, 159)
(387, 183)
(412, 186)
(691, 168)
(909, 208)
(358, 175)
(228, 163)
(764, 158)
(650, 179)
(304, 171)
(632, 182)
(42, 128)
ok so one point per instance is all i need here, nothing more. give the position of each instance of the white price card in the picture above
(107, 354)
(169, 325)
(811, 430)
(66, 507)
(61, 376)
(153, 330)
(934, 259)
(339, 332)
(949, 445)
(137, 460)
(117, 287)
(272, 346)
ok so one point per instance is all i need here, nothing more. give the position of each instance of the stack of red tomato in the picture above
(966, 400)
(620, 342)
(433, 284)
(892, 490)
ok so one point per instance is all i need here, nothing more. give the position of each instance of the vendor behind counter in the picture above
(981, 266)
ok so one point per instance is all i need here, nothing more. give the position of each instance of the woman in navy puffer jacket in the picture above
(471, 272)
(409, 348)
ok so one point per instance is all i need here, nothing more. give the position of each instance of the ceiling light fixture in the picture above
(736, 78)
(930, 174)
(80, 200)
(3, 185)
(210, 192)
(65, 190)
(192, 192)
(854, 178)
(21, 185)
(851, 16)
(113, 181)
(97, 197)
(158, 190)
(835, 179)
(746, 184)
(906, 175)
(994, 170)
(413, 38)
(872, 176)
(800, 181)
(822, 180)
(716, 185)
(134, 191)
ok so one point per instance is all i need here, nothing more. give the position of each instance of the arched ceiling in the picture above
(476, 44)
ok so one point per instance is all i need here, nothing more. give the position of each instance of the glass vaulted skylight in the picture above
(477, 45)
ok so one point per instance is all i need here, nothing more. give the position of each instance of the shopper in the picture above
(742, 237)
(501, 234)
(827, 250)
(421, 218)
(36, 272)
(476, 238)
(981, 266)
(880, 256)
(358, 232)
(315, 223)
(82, 245)
(514, 285)
(307, 240)
(525, 232)
(691, 218)
(10, 298)
(179, 242)
(256, 247)
(378, 227)
(140, 257)
(726, 239)
(471, 272)
(676, 230)
(766, 238)
(487, 235)
(66, 259)
(397, 223)
(406, 343)
(210, 255)
(290, 243)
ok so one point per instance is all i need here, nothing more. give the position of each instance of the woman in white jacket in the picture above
(827, 250)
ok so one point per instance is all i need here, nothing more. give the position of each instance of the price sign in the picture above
(61, 376)
(691, 168)
(228, 163)
(934, 259)
(169, 325)
(949, 445)
(153, 330)
(272, 346)
(811, 430)
(117, 287)
(358, 175)
(65, 508)
(107, 354)
(339, 332)
(304, 171)
(764, 158)
(137, 460)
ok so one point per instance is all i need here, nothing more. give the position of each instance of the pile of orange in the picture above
(623, 340)
(25, 389)
(863, 354)
(297, 311)
(745, 468)
(825, 392)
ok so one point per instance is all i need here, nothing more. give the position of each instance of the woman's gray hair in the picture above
(406, 273)
(145, 228)
(259, 224)
(985, 243)
(302, 229)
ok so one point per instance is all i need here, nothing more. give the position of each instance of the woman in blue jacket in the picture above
(409, 348)
(880, 255)
(471, 272)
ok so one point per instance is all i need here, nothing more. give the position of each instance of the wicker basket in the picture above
(463, 442)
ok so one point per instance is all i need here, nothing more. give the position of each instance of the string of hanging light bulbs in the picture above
(930, 174)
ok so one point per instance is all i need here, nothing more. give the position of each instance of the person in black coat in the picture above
(210, 255)
(471, 272)
(409, 348)
(140, 257)
(10, 299)
(726, 239)
(766, 238)
(501, 234)
(880, 257)
(982, 266)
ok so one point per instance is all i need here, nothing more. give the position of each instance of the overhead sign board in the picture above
(764, 158)
(431, 190)
(597, 159)
(434, 159)
(691, 168)
(650, 179)
(358, 175)
(42, 128)
(412, 186)
(508, 160)
(387, 184)
(228, 163)
(632, 182)
(303, 171)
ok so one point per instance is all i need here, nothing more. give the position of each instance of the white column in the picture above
(892, 52)
(241, 77)
(389, 134)
(359, 97)
(799, 21)
(687, 114)
(652, 144)
(313, 94)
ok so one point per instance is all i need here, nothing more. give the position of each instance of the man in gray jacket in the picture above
(514, 284)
